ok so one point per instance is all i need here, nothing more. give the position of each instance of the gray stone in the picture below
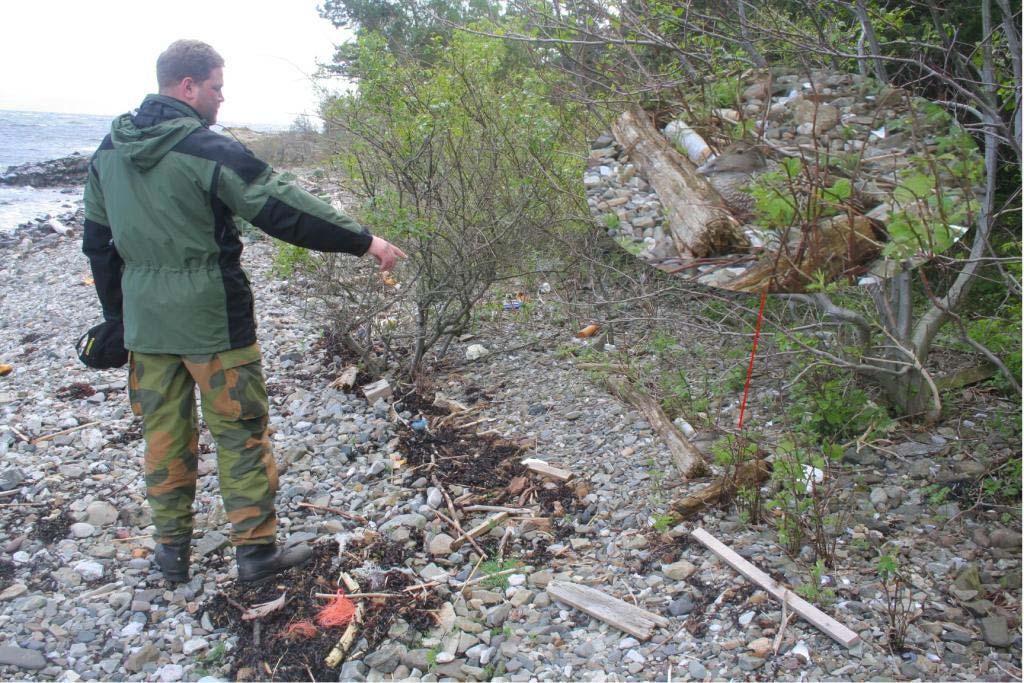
(169, 673)
(193, 645)
(386, 658)
(211, 542)
(11, 478)
(1004, 538)
(89, 570)
(13, 591)
(100, 513)
(440, 544)
(433, 573)
(82, 530)
(750, 662)
(679, 571)
(996, 631)
(417, 659)
(412, 520)
(680, 607)
(496, 616)
(353, 670)
(21, 658)
(696, 670)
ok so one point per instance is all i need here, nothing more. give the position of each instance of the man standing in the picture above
(165, 255)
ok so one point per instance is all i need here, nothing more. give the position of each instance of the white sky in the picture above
(99, 56)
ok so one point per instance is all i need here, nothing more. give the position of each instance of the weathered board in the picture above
(614, 612)
(815, 616)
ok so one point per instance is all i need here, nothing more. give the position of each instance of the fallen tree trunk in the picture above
(688, 460)
(833, 248)
(750, 473)
(698, 221)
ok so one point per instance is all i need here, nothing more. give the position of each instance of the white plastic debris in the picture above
(800, 650)
(688, 141)
(812, 476)
(476, 351)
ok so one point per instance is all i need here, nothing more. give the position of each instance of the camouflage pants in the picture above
(161, 388)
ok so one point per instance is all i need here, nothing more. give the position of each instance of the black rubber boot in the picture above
(173, 560)
(258, 562)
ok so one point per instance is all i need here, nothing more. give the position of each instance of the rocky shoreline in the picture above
(80, 599)
(64, 172)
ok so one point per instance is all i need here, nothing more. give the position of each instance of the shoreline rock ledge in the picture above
(64, 172)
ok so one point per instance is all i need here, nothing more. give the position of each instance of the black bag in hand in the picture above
(102, 347)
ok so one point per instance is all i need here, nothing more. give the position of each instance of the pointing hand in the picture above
(386, 253)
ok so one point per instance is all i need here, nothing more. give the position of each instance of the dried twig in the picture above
(454, 521)
(62, 432)
(353, 596)
(782, 628)
(341, 513)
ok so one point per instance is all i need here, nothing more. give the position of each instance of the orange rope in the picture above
(300, 630)
(753, 352)
(338, 612)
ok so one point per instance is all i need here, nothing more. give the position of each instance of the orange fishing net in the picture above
(338, 612)
(300, 630)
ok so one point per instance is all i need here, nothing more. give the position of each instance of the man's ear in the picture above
(187, 86)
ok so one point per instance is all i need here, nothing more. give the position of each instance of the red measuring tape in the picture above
(753, 352)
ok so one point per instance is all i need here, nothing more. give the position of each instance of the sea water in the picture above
(28, 137)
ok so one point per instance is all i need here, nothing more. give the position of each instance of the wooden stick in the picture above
(455, 516)
(479, 529)
(474, 423)
(540, 467)
(782, 628)
(340, 513)
(132, 538)
(63, 432)
(18, 434)
(8, 494)
(459, 532)
(503, 572)
(21, 505)
(337, 653)
(498, 508)
(812, 614)
(359, 595)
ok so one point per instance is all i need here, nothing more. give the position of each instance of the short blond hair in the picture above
(186, 59)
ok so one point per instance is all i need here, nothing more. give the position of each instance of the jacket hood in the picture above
(146, 136)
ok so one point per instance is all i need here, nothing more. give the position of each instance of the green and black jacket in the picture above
(160, 235)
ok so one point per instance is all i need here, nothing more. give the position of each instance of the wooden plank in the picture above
(612, 611)
(480, 529)
(540, 467)
(812, 614)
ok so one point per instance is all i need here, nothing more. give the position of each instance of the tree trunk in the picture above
(697, 217)
(912, 395)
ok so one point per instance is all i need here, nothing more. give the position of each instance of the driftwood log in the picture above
(834, 247)
(696, 215)
(750, 473)
(688, 460)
